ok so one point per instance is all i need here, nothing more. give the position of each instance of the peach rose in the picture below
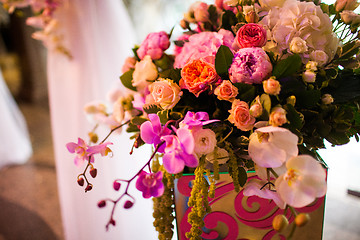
(277, 117)
(271, 86)
(164, 92)
(197, 76)
(240, 115)
(226, 91)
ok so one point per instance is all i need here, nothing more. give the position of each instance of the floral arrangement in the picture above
(251, 85)
(43, 20)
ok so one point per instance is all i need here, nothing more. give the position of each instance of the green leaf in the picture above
(163, 115)
(246, 91)
(164, 62)
(223, 61)
(228, 20)
(288, 66)
(308, 99)
(126, 79)
(132, 128)
(173, 74)
(265, 101)
(294, 117)
(242, 176)
(151, 108)
(138, 120)
(337, 138)
(213, 13)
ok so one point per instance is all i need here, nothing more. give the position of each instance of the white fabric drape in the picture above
(15, 145)
(99, 36)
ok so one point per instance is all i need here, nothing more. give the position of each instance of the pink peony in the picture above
(202, 45)
(250, 65)
(251, 35)
(240, 115)
(154, 45)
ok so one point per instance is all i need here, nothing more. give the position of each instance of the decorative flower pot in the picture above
(235, 216)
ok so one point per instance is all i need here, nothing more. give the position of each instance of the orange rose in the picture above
(226, 91)
(197, 76)
(240, 115)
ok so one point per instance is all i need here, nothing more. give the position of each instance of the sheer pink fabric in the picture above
(99, 36)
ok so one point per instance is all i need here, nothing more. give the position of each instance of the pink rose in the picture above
(154, 45)
(277, 117)
(164, 92)
(271, 86)
(226, 91)
(250, 65)
(223, 5)
(251, 35)
(240, 115)
(197, 76)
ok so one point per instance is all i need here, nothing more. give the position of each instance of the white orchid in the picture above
(270, 146)
(303, 182)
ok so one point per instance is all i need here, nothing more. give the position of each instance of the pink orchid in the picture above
(179, 151)
(196, 120)
(151, 131)
(84, 151)
(150, 184)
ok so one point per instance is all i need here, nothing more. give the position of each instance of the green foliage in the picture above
(228, 20)
(246, 91)
(126, 79)
(173, 74)
(223, 60)
(151, 108)
(288, 66)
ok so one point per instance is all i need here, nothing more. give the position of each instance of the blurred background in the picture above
(29, 204)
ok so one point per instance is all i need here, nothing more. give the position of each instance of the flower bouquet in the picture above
(250, 86)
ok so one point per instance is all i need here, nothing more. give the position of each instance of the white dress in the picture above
(15, 145)
(99, 35)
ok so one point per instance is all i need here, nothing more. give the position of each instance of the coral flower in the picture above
(304, 181)
(197, 76)
(150, 184)
(270, 147)
(240, 115)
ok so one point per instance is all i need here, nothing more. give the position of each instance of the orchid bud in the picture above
(128, 204)
(93, 172)
(301, 219)
(102, 204)
(81, 181)
(93, 137)
(280, 222)
(88, 188)
(116, 186)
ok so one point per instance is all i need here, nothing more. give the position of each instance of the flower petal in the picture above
(172, 163)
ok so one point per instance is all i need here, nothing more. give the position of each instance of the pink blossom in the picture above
(183, 38)
(240, 115)
(202, 45)
(201, 12)
(222, 5)
(250, 65)
(84, 152)
(150, 184)
(152, 131)
(154, 45)
(179, 151)
(128, 64)
(196, 120)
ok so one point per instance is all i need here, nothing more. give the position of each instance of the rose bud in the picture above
(271, 86)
